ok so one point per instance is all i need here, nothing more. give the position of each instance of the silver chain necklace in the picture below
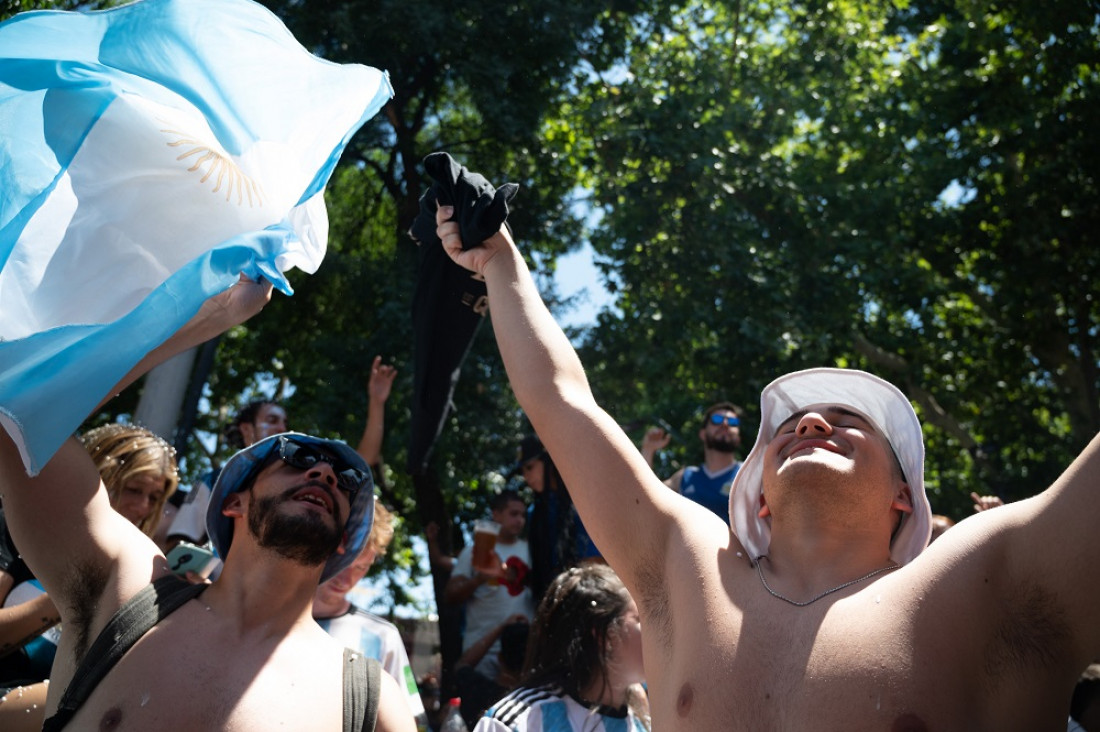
(815, 598)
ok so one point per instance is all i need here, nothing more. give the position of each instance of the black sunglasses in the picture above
(720, 418)
(304, 457)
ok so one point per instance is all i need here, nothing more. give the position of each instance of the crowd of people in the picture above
(553, 635)
(804, 584)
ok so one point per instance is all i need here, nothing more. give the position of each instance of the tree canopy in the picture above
(903, 187)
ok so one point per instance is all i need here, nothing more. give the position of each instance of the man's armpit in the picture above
(653, 601)
(1032, 632)
(83, 589)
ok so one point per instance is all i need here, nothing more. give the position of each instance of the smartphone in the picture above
(186, 557)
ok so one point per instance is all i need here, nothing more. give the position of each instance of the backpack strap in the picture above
(149, 606)
(362, 677)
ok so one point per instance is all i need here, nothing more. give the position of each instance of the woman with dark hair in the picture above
(583, 671)
(557, 538)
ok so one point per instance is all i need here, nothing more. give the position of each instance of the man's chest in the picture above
(175, 680)
(849, 667)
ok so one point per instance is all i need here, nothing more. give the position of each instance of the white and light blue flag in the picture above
(149, 154)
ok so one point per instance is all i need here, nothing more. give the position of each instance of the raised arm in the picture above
(217, 315)
(378, 393)
(654, 440)
(62, 520)
(1030, 568)
(66, 530)
(624, 506)
(1053, 545)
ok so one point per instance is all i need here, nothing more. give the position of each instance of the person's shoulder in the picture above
(519, 702)
(369, 618)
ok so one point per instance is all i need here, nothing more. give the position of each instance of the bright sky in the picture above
(578, 274)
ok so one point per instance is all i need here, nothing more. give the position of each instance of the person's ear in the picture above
(248, 432)
(903, 499)
(703, 435)
(233, 505)
(764, 511)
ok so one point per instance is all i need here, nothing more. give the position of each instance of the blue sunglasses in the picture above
(723, 419)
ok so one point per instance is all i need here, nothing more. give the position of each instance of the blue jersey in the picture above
(709, 491)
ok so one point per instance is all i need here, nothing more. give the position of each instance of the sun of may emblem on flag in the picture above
(219, 166)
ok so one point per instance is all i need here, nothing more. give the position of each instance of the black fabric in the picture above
(551, 531)
(141, 612)
(362, 678)
(17, 668)
(10, 561)
(478, 692)
(480, 209)
(449, 302)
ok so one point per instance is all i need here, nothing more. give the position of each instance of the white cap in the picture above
(887, 408)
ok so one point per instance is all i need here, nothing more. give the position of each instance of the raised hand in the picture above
(984, 503)
(476, 259)
(381, 380)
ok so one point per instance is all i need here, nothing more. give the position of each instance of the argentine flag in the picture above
(149, 154)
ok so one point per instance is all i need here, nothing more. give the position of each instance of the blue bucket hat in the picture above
(243, 467)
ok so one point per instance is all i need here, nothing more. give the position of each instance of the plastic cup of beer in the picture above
(485, 540)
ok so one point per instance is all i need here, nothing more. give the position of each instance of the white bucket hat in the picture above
(882, 403)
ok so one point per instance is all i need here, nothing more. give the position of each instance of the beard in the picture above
(722, 443)
(305, 539)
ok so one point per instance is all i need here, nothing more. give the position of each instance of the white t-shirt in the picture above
(492, 604)
(379, 639)
(190, 519)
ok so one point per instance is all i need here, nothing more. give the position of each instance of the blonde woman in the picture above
(139, 470)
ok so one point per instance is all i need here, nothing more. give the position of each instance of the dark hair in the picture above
(568, 644)
(247, 415)
(721, 407)
(501, 500)
(551, 530)
(529, 447)
(513, 645)
(1086, 694)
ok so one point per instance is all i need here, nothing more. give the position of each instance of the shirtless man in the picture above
(986, 630)
(246, 653)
